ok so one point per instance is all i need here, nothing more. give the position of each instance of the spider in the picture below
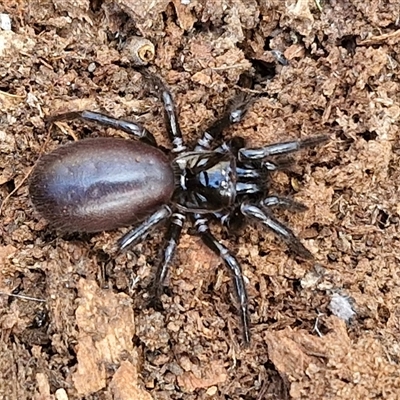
(104, 183)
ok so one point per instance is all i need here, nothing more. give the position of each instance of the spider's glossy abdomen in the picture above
(100, 184)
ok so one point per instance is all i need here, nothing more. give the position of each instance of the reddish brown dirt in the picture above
(89, 334)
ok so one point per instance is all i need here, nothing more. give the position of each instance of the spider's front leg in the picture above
(283, 202)
(134, 129)
(231, 262)
(233, 114)
(275, 149)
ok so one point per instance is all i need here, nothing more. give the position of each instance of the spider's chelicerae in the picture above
(103, 183)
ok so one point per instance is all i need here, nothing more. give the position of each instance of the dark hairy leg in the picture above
(171, 119)
(283, 202)
(234, 267)
(232, 115)
(275, 149)
(130, 127)
(171, 242)
(137, 234)
(266, 219)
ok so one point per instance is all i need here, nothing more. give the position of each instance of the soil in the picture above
(74, 316)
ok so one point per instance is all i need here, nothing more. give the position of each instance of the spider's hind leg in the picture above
(138, 233)
(171, 242)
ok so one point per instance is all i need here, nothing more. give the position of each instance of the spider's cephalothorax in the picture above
(206, 181)
(101, 184)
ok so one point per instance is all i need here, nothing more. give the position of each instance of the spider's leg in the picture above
(232, 115)
(261, 153)
(283, 202)
(171, 119)
(277, 165)
(256, 213)
(233, 220)
(171, 242)
(138, 233)
(130, 127)
(218, 248)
